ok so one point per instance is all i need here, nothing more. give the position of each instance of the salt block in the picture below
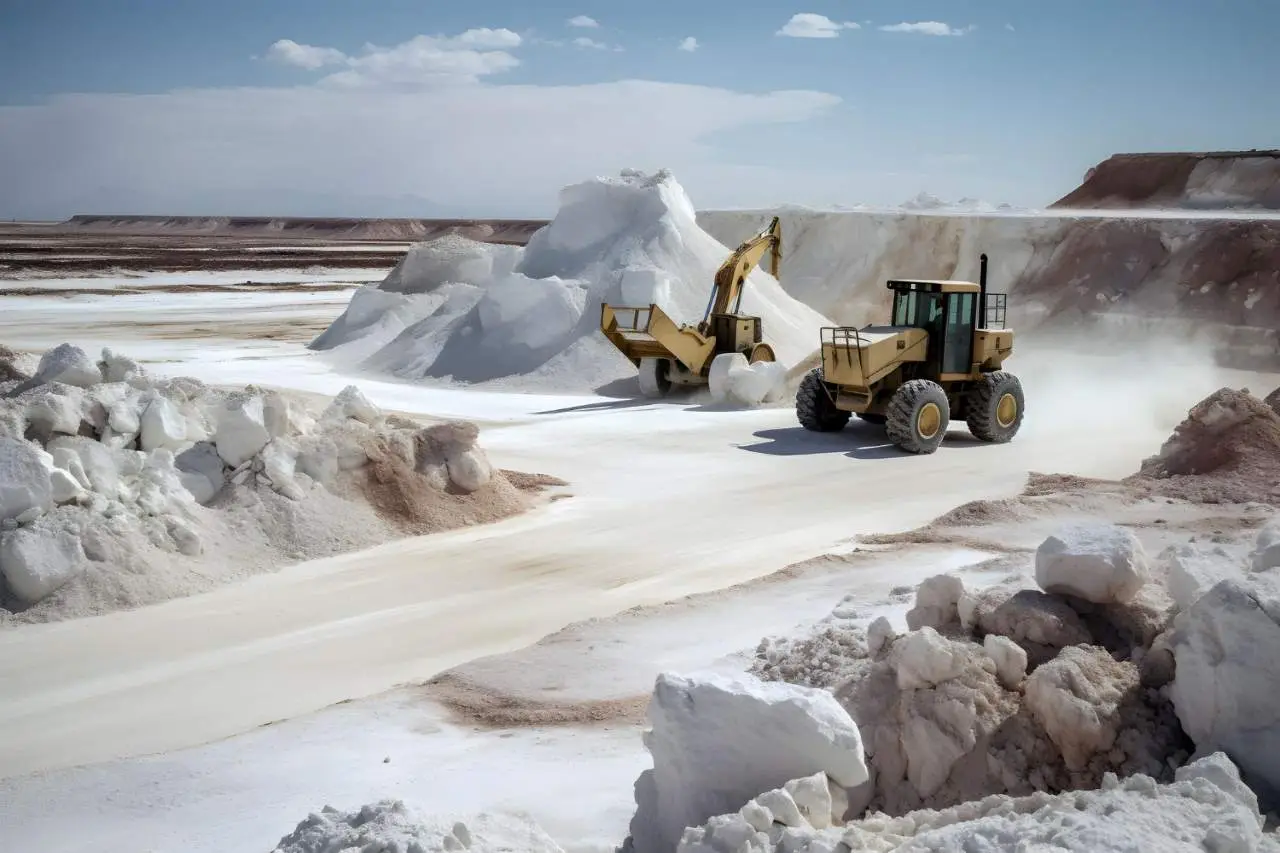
(1102, 563)
(37, 562)
(924, 658)
(937, 602)
(162, 425)
(24, 478)
(718, 741)
(69, 365)
(241, 430)
(1226, 646)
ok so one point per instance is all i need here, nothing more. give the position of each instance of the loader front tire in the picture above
(814, 408)
(655, 380)
(995, 409)
(918, 416)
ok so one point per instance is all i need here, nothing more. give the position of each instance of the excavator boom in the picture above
(727, 290)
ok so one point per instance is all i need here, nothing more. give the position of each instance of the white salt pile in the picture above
(118, 489)
(1065, 716)
(528, 318)
(392, 827)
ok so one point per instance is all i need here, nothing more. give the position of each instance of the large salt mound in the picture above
(128, 490)
(529, 317)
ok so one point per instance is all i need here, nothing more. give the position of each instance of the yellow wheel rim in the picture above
(1007, 410)
(928, 420)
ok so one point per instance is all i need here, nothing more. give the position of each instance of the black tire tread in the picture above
(900, 424)
(982, 409)
(814, 408)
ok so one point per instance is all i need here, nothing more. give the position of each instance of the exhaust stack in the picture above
(982, 291)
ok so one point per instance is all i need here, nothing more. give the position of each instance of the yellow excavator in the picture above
(668, 353)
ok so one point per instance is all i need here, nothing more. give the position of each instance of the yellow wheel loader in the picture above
(940, 359)
(668, 353)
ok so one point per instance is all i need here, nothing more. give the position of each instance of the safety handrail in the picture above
(996, 311)
(840, 337)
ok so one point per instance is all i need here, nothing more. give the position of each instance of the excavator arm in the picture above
(727, 290)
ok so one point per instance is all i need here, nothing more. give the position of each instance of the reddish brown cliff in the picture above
(1215, 180)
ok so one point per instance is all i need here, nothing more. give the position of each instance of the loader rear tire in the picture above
(814, 408)
(995, 409)
(655, 380)
(918, 416)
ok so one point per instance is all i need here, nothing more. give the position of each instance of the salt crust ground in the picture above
(528, 317)
(121, 490)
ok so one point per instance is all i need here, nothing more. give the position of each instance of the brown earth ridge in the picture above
(1248, 180)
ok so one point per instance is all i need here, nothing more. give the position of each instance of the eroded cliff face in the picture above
(1229, 180)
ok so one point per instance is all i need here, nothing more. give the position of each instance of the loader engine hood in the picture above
(860, 357)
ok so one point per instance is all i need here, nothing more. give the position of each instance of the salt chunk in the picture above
(719, 740)
(55, 411)
(937, 602)
(24, 478)
(69, 365)
(241, 430)
(1227, 651)
(162, 425)
(470, 469)
(101, 467)
(37, 562)
(924, 658)
(1266, 551)
(1101, 563)
(119, 368)
(64, 487)
(1009, 657)
(351, 404)
(1192, 570)
(878, 633)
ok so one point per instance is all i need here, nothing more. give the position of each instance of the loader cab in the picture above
(948, 311)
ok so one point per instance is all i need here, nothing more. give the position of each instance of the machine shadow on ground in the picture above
(857, 440)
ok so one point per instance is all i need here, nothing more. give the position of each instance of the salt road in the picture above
(667, 499)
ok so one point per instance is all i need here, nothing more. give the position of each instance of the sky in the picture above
(487, 108)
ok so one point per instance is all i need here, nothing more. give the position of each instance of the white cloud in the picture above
(928, 28)
(583, 41)
(583, 21)
(689, 43)
(1010, 28)
(471, 149)
(807, 25)
(422, 60)
(289, 52)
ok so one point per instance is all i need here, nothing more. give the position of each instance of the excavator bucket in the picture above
(647, 332)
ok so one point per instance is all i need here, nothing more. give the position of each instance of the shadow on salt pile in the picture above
(858, 440)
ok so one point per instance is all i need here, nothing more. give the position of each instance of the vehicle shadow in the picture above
(601, 406)
(858, 440)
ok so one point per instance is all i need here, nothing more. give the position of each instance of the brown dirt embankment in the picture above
(1248, 180)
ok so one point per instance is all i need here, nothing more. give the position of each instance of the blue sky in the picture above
(485, 108)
